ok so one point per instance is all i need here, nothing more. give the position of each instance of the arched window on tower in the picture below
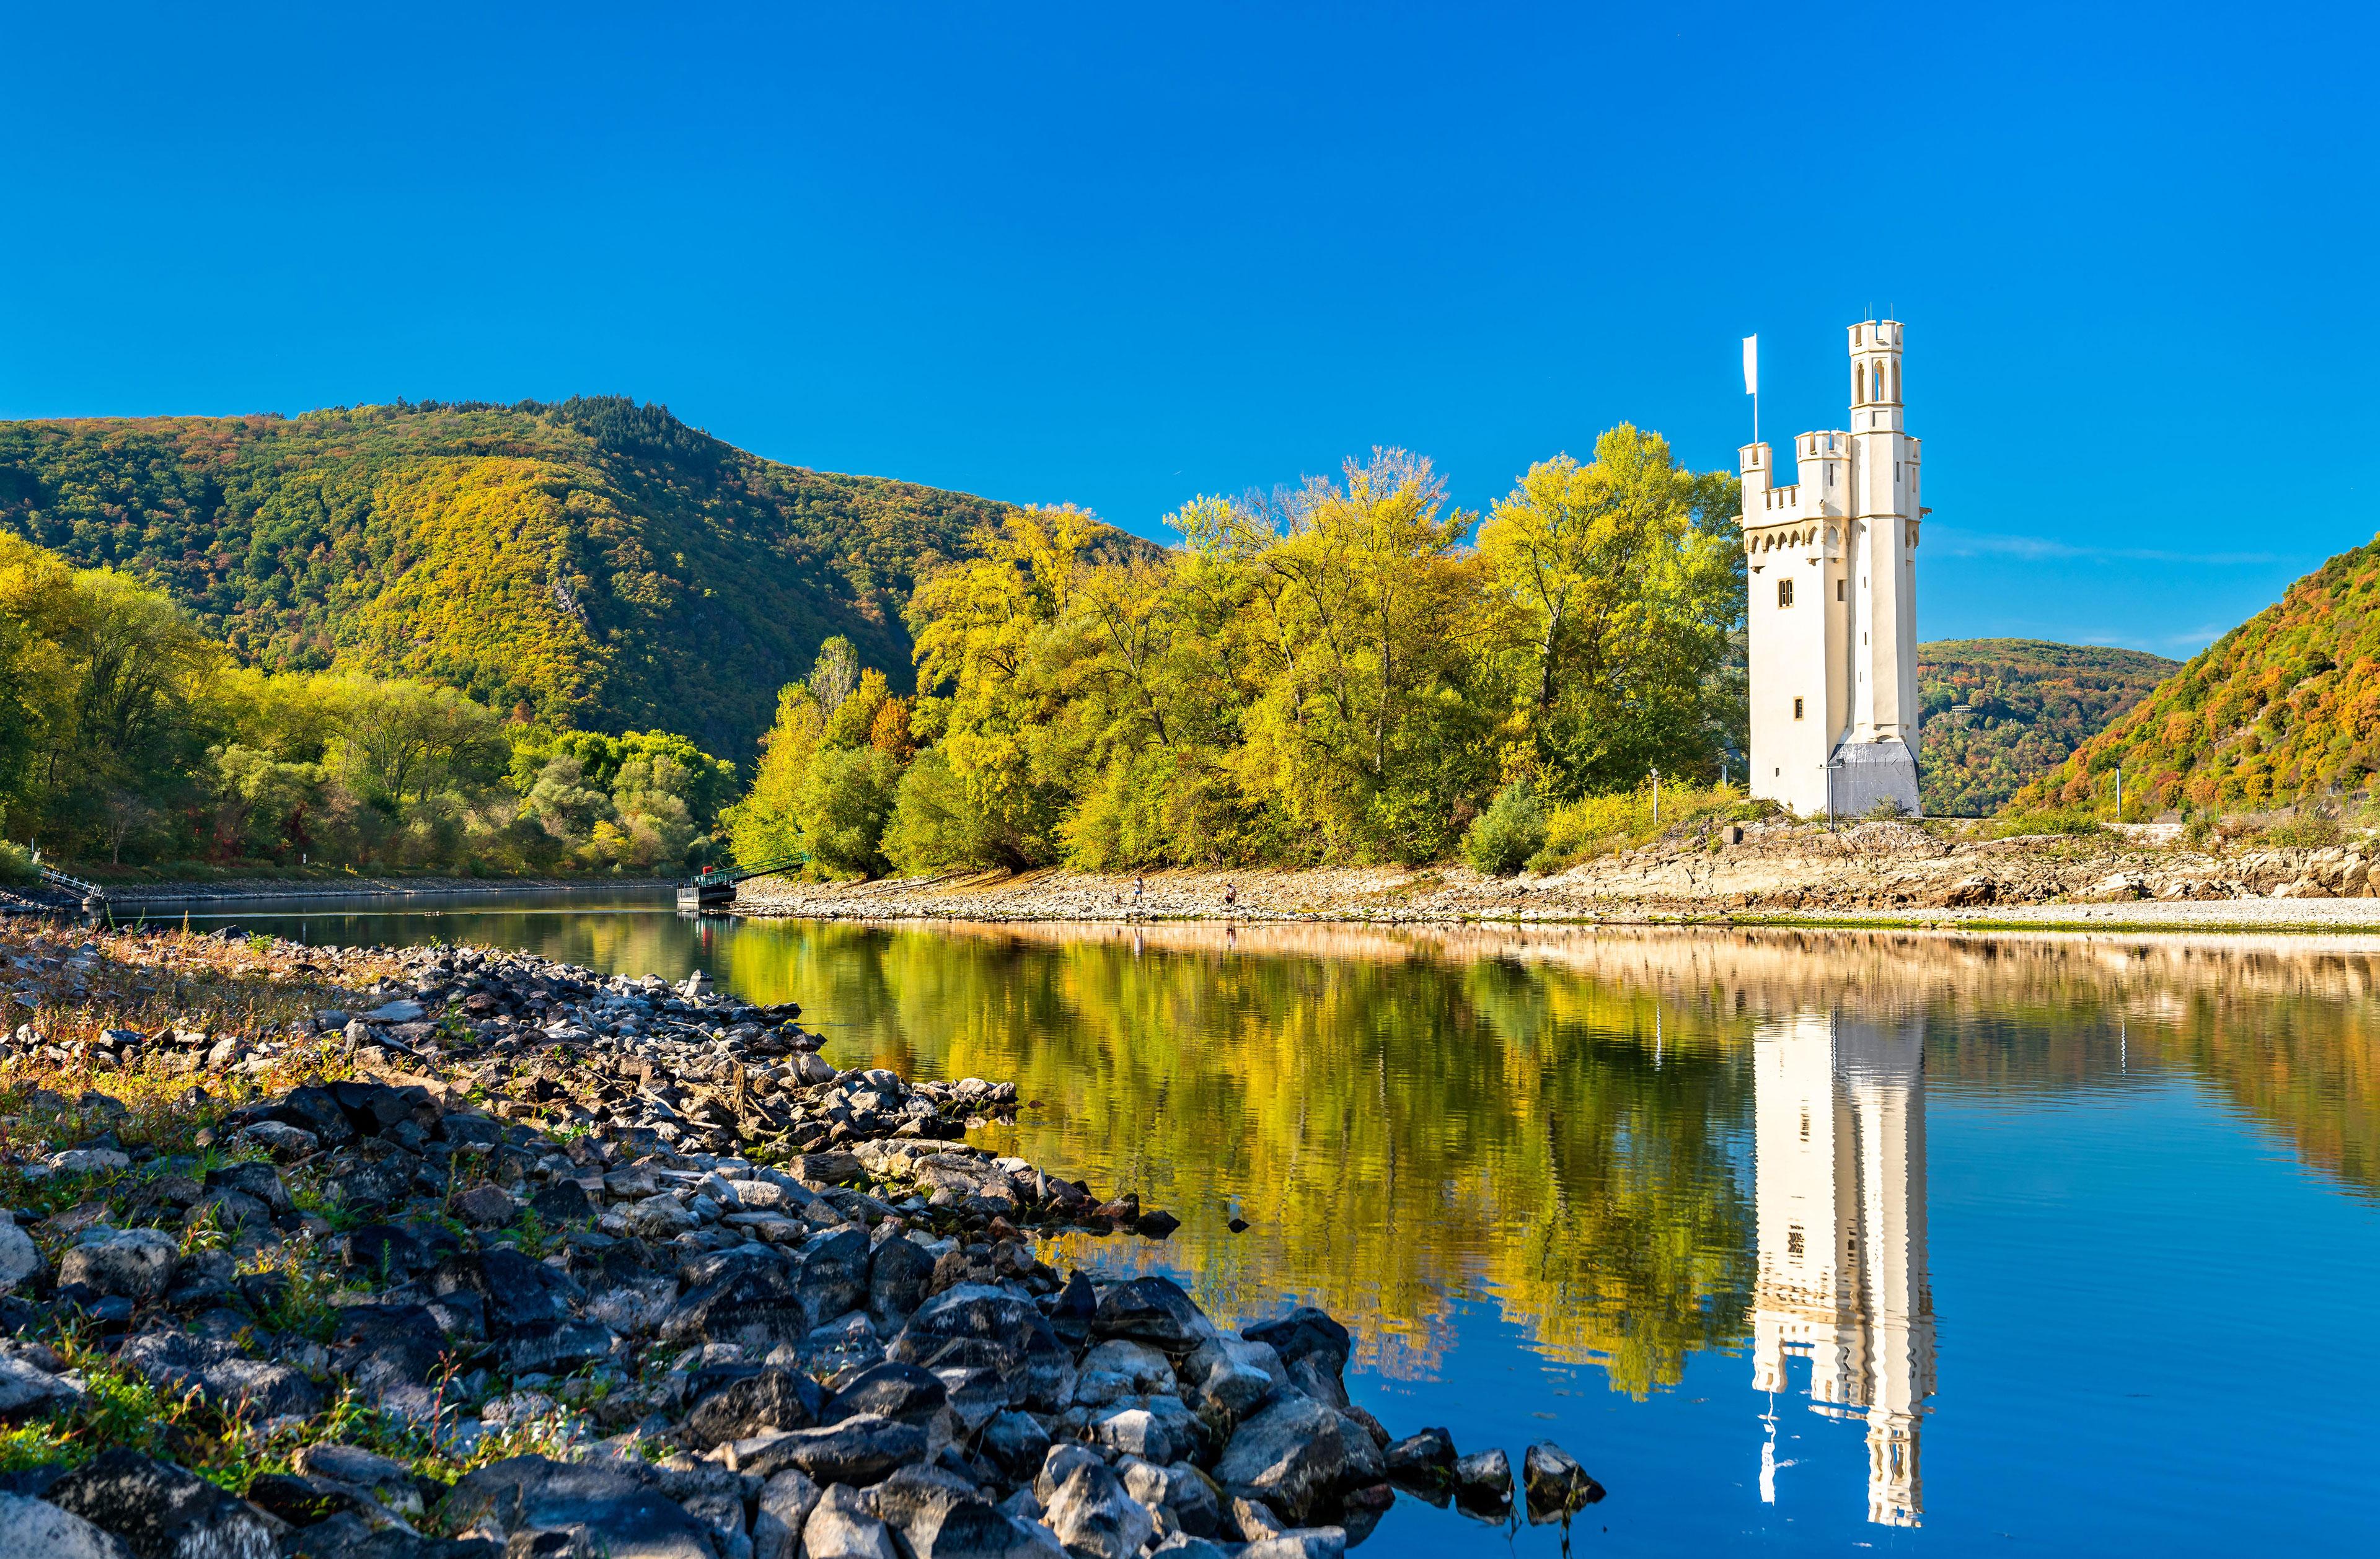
(1859, 384)
(1896, 383)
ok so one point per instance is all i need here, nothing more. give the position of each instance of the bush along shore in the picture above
(453, 1253)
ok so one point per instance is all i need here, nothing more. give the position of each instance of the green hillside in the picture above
(2284, 707)
(597, 561)
(2002, 712)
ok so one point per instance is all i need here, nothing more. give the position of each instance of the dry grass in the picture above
(252, 990)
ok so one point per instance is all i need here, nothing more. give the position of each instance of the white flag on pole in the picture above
(1752, 365)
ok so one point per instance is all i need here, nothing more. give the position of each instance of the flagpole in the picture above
(1752, 380)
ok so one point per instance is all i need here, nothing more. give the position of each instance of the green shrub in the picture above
(1507, 836)
(1593, 826)
(17, 867)
(2316, 828)
(2021, 821)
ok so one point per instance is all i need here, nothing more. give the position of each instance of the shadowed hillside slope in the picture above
(596, 560)
(2000, 712)
(2283, 708)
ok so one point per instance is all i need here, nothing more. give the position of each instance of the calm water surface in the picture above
(1799, 1242)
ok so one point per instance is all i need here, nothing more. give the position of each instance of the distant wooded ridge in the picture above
(1345, 670)
(1999, 713)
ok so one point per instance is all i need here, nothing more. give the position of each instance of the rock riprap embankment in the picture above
(578, 1265)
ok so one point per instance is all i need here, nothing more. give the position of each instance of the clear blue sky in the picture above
(1123, 254)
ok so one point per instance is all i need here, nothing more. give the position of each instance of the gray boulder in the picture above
(89, 1161)
(388, 1351)
(398, 1011)
(611, 1507)
(18, 1259)
(1154, 1310)
(1304, 1333)
(161, 1511)
(978, 1326)
(135, 1262)
(1300, 1542)
(749, 1403)
(384, 1478)
(175, 1364)
(1423, 1460)
(858, 1451)
(1062, 1461)
(1252, 1519)
(38, 1529)
(1182, 1491)
(1145, 1369)
(1292, 1455)
(1365, 1462)
(558, 1347)
(890, 1390)
(261, 1181)
(1181, 1545)
(846, 1344)
(1556, 1486)
(282, 1140)
(1016, 1444)
(563, 1202)
(912, 1497)
(972, 1529)
(833, 1273)
(1484, 1480)
(521, 1296)
(841, 1526)
(1096, 1519)
(786, 1501)
(1158, 1428)
(26, 1390)
(897, 1276)
(754, 1304)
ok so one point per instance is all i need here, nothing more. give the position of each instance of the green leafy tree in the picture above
(1629, 604)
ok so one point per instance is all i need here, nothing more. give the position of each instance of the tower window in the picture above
(1797, 708)
(1859, 383)
(1784, 592)
(1839, 590)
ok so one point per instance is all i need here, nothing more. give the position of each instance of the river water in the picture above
(1799, 1242)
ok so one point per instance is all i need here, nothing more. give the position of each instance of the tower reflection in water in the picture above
(1840, 1183)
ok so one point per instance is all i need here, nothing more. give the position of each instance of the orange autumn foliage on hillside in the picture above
(2284, 708)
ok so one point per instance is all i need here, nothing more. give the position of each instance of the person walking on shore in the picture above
(1230, 894)
(1137, 885)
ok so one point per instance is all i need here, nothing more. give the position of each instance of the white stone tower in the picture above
(1831, 561)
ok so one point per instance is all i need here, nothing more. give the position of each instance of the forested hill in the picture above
(2002, 712)
(2285, 706)
(596, 560)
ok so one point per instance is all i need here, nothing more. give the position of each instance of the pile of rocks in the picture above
(524, 1254)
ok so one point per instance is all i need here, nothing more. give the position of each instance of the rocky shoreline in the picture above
(453, 1253)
